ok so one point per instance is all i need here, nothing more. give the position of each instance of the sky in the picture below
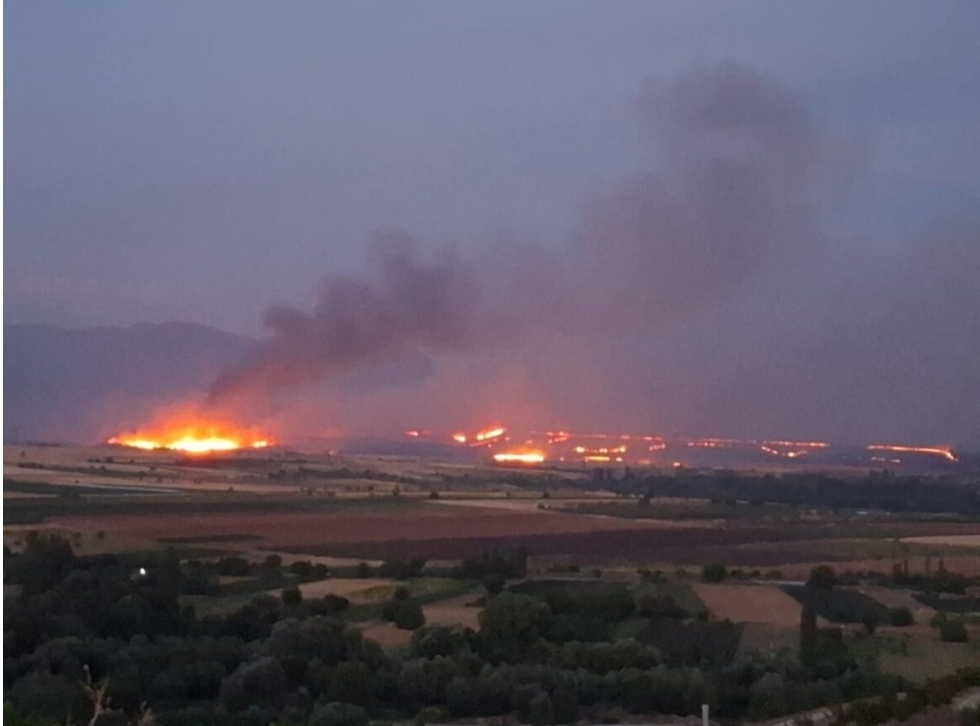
(203, 161)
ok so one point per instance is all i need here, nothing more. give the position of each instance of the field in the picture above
(454, 611)
(432, 530)
(750, 604)
(341, 511)
(921, 655)
(839, 605)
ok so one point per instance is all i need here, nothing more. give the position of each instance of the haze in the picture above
(754, 219)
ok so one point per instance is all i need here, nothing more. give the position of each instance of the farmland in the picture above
(422, 559)
(750, 604)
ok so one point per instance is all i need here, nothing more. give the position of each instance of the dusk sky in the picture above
(203, 161)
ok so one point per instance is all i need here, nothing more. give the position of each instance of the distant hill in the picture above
(62, 384)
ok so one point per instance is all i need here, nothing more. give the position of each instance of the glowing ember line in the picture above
(942, 451)
(532, 457)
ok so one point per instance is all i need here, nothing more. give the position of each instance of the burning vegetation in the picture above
(193, 435)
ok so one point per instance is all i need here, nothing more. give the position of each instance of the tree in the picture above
(511, 623)
(542, 710)
(272, 562)
(339, 714)
(261, 682)
(409, 616)
(822, 577)
(351, 682)
(292, 595)
(493, 582)
(714, 572)
(808, 635)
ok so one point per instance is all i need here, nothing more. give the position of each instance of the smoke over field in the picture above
(745, 165)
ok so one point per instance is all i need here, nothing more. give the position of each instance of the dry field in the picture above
(354, 589)
(750, 604)
(296, 530)
(953, 540)
(454, 611)
(387, 635)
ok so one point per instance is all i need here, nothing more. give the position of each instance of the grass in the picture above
(921, 655)
(73, 491)
(452, 589)
(682, 593)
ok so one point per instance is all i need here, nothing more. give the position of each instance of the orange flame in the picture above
(520, 456)
(192, 435)
(943, 451)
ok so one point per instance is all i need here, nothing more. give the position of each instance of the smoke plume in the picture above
(743, 165)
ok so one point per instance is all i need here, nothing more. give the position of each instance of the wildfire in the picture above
(490, 434)
(193, 437)
(943, 451)
(480, 438)
(520, 456)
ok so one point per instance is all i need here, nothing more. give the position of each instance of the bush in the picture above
(715, 572)
(336, 603)
(900, 617)
(400, 594)
(493, 582)
(953, 631)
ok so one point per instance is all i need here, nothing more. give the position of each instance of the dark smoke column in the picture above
(402, 304)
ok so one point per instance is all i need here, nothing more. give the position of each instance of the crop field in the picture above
(839, 605)
(750, 604)
(330, 532)
(454, 611)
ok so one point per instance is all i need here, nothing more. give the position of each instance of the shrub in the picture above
(400, 594)
(715, 572)
(900, 617)
(336, 603)
(953, 631)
